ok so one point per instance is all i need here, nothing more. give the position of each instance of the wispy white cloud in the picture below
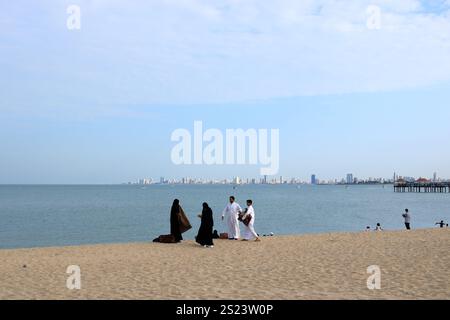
(198, 51)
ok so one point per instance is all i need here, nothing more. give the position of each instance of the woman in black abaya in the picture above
(174, 220)
(205, 233)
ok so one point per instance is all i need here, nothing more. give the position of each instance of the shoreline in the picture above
(328, 266)
(149, 241)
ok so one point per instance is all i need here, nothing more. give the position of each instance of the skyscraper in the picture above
(350, 178)
(313, 179)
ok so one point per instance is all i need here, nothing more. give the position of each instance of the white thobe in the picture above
(249, 232)
(231, 214)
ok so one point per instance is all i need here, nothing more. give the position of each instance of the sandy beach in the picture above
(414, 265)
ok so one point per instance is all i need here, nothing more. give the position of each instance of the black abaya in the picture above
(205, 233)
(174, 221)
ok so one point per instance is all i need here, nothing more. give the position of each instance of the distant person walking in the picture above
(248, 219)
(407, 217)
(205, 232)
(175, 227)
(230, 215)
(441, 224)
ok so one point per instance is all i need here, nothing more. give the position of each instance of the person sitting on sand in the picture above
(175, 229)
(441, 224)
(378, 227)
(205, 232)
(249, 219)
(215, 234)
(407, 217)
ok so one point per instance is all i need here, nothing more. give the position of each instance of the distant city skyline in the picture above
(348, 179)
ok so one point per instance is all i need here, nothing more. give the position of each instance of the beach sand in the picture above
(414, 265)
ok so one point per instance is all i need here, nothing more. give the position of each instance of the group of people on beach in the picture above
(233, 214)
(406, 215)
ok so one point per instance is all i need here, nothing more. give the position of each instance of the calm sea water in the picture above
(35, 216)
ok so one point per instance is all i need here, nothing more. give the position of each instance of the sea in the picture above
(60, 215)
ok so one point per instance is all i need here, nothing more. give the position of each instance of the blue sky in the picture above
(98, 105)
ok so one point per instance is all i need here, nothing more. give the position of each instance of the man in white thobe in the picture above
(231, 214)
(249, 232)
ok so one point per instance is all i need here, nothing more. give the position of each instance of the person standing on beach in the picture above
(407, 217)
(175, 229)
(205, 233)
(231, 212)
(249, 216)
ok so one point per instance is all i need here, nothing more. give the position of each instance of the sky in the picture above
(98, 104)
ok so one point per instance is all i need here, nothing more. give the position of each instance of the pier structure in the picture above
(422, 187)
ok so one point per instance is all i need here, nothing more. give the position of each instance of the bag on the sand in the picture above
(185, 225)
(168, 238)
(224, 236)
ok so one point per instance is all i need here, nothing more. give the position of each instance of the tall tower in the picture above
(350, 178)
